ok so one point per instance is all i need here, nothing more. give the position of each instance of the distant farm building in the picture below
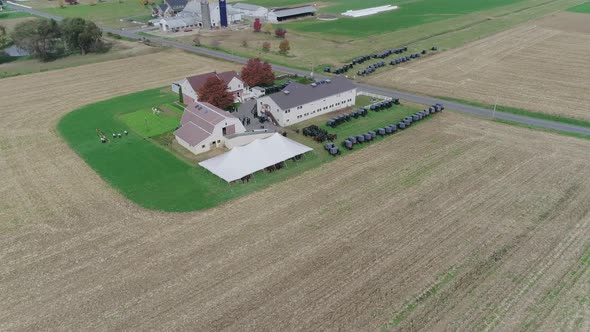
(299, 102)
(204, 127)
(200, 14)
(284, 14)
(251, 10)
(191, 85)
(169, 8)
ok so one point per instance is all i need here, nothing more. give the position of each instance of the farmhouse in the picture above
(200, 14)
(283, 14)
(251, 10)
(204, 126)
(168, 8)
(299, 102)
(191, 85)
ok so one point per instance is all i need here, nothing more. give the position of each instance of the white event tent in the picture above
(253, 157)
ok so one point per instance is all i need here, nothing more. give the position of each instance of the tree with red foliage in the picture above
(257, 73)
(280, 32)
(257, 25)
(214, 92)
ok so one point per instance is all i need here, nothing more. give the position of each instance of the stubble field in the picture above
(459, 223)
(541, 66)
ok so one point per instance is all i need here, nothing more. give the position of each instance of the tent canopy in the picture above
(253, 157)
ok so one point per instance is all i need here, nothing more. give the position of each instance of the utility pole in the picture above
(494, 112)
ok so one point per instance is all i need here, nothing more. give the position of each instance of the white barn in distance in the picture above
(251, 10)
(299, 102)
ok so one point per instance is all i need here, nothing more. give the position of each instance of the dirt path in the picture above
(346, 246)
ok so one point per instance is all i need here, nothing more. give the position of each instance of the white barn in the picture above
(198, 14)
(299, 102)
(204, 127)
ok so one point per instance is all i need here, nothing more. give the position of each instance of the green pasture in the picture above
(103, 13)
(410, 14)
(583, 8)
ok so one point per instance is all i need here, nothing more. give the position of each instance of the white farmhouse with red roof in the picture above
(191, 85)
(204, 126)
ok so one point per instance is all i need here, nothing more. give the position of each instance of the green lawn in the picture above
(153, 177)
(11, 15)
(583, 8)
(103, 13)
(411, 13)
(148, 124)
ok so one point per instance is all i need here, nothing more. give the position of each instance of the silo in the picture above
(223, 13)
(205, 14)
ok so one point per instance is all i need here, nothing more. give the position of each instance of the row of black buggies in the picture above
(351, 141)
(370, 69)
(318, 134)
(340, 119)
(361, 59)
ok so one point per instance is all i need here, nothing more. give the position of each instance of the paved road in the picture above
(369, 88)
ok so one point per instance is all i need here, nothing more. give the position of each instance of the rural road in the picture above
(553, 125)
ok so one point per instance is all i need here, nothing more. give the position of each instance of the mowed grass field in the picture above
(7, 14)
(461, 224)
(541, 66)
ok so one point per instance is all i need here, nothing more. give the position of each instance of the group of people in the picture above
(245, 120)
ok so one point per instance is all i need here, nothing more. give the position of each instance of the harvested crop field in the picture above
(480, 225)
(541, 66)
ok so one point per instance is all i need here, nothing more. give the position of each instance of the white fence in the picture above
(372, 95)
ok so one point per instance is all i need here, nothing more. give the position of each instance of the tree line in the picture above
(47, 39)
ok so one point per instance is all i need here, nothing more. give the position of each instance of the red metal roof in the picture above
(197, 81)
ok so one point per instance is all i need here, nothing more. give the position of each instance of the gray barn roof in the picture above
(294, 11)
(301, 94)
(246, 6)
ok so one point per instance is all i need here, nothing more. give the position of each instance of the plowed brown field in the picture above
(458, 223)
(541, 66)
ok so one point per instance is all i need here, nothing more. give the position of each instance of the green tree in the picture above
(4, 38)
(80, 34)
(267, 28)
(40, 37)
(180, 95)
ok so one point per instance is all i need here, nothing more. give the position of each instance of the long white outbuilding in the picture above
(369, 11)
